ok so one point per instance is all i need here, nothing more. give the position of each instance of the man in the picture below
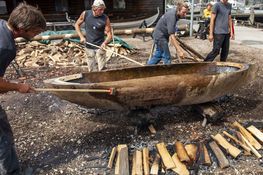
(220, 30)
(96, 25)
(165, 30)
(25, 21)
(207, 11)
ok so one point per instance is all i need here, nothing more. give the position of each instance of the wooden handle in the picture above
(115, 53)
(110, 91)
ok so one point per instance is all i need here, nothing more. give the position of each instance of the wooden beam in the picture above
(134, 163)
(112, 156)
(222, 160)
(155, 165)
(181, 152)
(146, 166)
(122, 164)
(247, 135)
(256, 132)
(166, 157)
(180, 167)
(232, 150)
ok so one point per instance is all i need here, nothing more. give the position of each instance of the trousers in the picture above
(96, 59)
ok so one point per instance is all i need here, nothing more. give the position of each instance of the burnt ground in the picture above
(54, 136)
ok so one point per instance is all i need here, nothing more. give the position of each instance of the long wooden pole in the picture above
(115, 53)
(110, 91)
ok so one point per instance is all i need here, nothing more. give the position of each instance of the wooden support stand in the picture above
(222, 160)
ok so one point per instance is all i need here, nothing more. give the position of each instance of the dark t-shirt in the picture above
(7, 47)
(222, 12)
(166, 25)
(95, 27)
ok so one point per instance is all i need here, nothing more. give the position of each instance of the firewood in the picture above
(207, 159)
(245, 147)
(256, 132)
(138, 162)
(240, 138)
(191, 150)
(146, 166)
(232, 150)
(134, 163)
(180, 167)
(166, 157)
(155, 165)
(122, 164)
(112, 156)
(251, 147)
(248, 136)
(222, 160)
(152, 129)
(181, 152)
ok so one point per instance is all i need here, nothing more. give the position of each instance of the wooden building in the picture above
(117, 10)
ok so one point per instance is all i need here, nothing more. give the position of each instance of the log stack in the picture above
(64, 53)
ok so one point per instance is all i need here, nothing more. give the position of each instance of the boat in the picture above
(129, 24)
(148, 86)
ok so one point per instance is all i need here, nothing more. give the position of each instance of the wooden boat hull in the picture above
(148, 86)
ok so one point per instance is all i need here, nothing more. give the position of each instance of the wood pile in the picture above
(183, 158)
(64, 53)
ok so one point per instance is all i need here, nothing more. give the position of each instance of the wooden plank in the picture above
(222, 160)
(251, 147)
(180, 167)
(232, 150)
(146, 166)
(244, 146)
(248, 136)
(166, 157)
(112, 156)
(122, 164)
(181, 152)
(191, 150)
(256, 132)
(207, 159)
(155, 166)
(138, 163)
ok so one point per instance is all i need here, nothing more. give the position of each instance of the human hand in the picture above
(25, 88)
(210, 38)
(232, 36)
(82, 40)
(103, 45)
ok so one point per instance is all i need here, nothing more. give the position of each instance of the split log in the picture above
(112, 156)
(166, 157)
(152, 129)
(180, 167)
(181, 152)
(146, 166)
(122, 163)
(138, 163)
(248, 136)
(232, 150)
(155, 166)
(244, 146)
(240, 138)
(256, 132)
(191, 150)
(222, 160)
(207, 159)
(251, 147)
(134, 163)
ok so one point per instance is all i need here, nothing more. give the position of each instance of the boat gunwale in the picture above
(64, 80)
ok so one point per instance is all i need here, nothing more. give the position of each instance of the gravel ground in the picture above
(54, 136)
